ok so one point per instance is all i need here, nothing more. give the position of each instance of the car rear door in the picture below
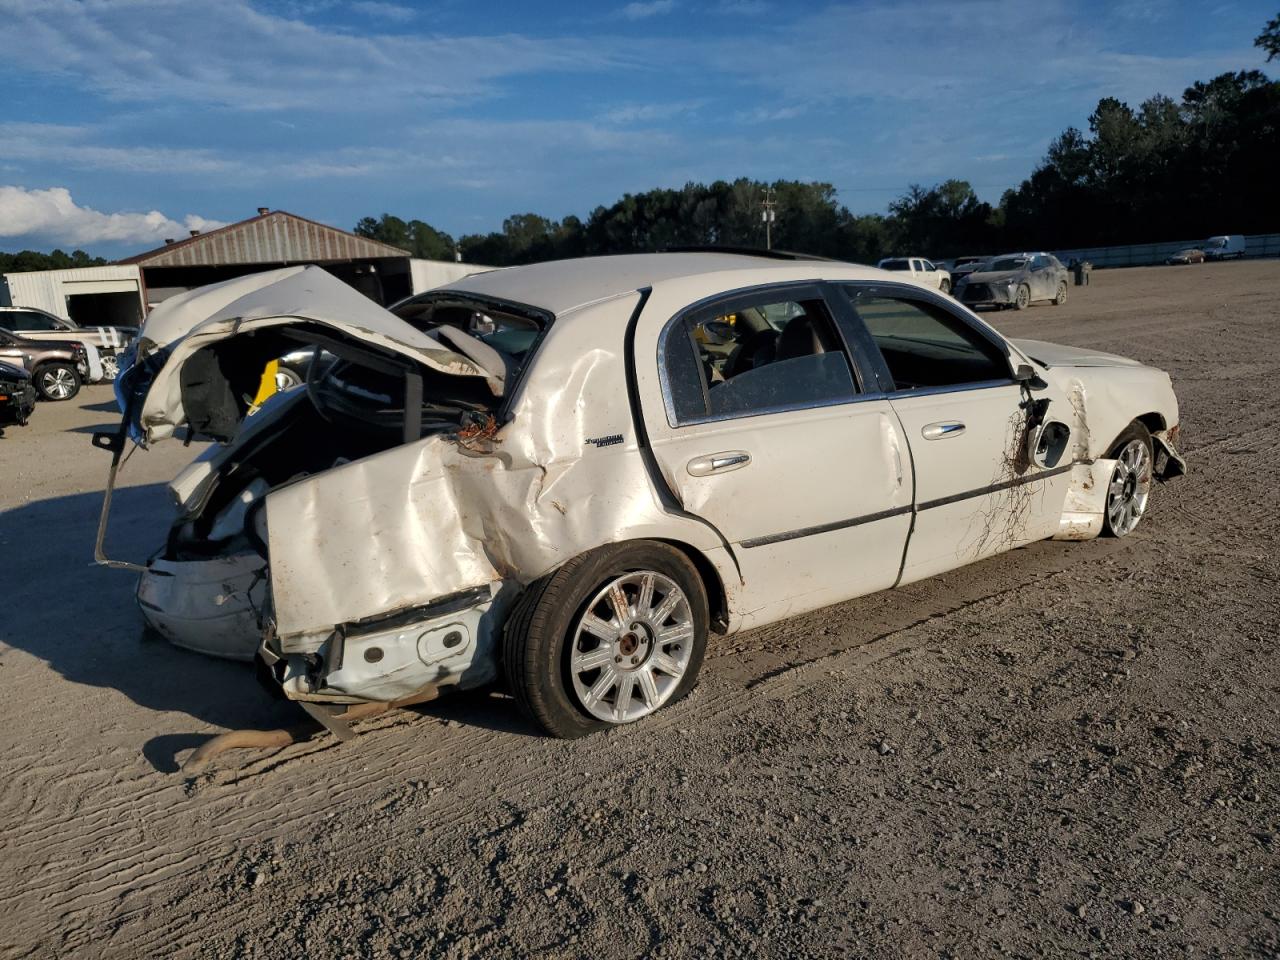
(950, 382)
(769, 431)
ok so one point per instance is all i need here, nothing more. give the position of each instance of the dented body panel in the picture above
(389, 571)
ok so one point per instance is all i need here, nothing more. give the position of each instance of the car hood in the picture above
(150, 391)
(995, 276)
(10, 371)
(1058, 355)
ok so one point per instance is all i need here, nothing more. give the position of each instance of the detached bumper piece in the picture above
(402, 657)
(1169, 464)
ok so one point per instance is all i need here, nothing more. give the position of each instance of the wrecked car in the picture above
(17, 395)
(572, 476)
(1015, 280)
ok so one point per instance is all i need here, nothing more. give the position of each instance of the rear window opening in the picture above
(356, 400)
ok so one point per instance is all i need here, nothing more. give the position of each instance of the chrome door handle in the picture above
(942, 429)
(718, 463)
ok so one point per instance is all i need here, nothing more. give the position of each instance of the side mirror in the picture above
(1047, 444)
(1025, 373)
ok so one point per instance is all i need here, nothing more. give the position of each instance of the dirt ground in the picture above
(1070, 750)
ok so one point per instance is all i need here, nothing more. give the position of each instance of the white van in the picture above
(1224, 248)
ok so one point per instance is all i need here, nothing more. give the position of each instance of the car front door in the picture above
(951, 384)
(768, 430)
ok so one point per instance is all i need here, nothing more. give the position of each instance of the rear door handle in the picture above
(942, 429)
(718, 463)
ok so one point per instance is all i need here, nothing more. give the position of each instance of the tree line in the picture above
(56, 260)
(1169, 170)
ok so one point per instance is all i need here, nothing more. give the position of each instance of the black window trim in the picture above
(863, 374)
(851, 289)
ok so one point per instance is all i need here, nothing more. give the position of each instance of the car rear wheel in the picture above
(1022, 299)
(286, 378)
(57, 381)
(609, 638)
(1130, 486)
(1061, 298)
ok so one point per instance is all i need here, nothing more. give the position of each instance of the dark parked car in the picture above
(1015, 280)
(1190, 255)
(17, 396)
(963, 266)
(57, 367)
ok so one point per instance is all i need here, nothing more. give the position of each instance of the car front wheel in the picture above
(1022, 299)
(57, 381)
(609, 638)
(1061, 298)
(945, 286)
(1130, 486)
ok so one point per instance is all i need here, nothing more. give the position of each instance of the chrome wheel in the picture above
(631, 646)
(58, 383)
(1022, 298)
(286, 379)
(1130, 488)
(110, 366)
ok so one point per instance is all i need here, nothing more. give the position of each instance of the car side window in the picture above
(28, 320)
(924, 345)
(754, 356)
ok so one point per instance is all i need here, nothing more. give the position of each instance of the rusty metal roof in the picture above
(275, 237)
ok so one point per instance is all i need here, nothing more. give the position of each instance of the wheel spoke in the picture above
(621, 609)
(675, 634)
(648, 687)
(664, 662)
(599, 628)
(622, 700)
(666, 608)
(608, 677)
(589, 660)
(645, 601)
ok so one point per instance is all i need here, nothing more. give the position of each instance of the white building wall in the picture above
(48, 289)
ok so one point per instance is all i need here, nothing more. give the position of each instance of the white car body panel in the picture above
(822, 512)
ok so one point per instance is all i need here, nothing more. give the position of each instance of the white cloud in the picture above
(231, 53)
(650, 112)
(53, 217)
(379, 10)
(643, 9)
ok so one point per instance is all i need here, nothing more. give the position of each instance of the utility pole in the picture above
(768, 216)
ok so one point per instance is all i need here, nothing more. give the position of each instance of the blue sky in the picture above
(127, 121)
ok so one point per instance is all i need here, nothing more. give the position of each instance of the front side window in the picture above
(754, 356)
(925, 346)
(27, 320)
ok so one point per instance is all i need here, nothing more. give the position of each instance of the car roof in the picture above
(564, 285)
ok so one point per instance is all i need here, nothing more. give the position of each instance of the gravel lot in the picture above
(1070, 750)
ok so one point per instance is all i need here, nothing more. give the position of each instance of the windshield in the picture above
(895, 265)
(1007, 263)
(1214, 242)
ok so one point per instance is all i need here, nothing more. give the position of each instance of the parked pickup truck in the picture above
(921, 269)
(32, 323)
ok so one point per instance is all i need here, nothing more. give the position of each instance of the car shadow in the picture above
(81, 619)
(107, 406)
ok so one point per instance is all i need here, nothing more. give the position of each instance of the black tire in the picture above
(535, 656)
(1022, 299)
(1135, 432)
(56, 381)
(1061, 298)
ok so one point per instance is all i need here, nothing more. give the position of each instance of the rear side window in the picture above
(925, 346)
(754, 356)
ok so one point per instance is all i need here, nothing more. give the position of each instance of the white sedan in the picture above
(921, 270)
(574, 475)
